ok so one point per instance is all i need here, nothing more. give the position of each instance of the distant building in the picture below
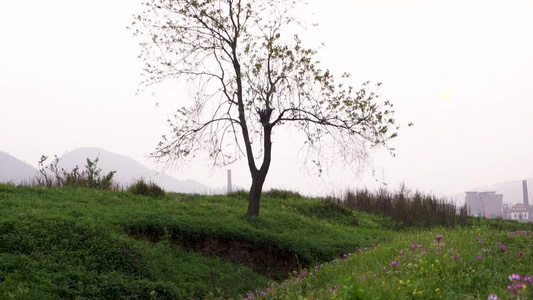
(484, 204)
(518, 212)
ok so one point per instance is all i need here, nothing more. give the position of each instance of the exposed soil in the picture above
(270, 262)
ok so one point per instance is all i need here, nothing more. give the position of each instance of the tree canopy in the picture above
(252, 73)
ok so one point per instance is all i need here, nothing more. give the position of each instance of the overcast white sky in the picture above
(461, 70)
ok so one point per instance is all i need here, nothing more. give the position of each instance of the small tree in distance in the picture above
(252, 78)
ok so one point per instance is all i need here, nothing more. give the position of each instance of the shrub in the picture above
(238, 194)
(283, 194)
(141, 187)
(273, 193)
(53, 175)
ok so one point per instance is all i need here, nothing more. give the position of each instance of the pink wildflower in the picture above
(455, 257)
(513, 277)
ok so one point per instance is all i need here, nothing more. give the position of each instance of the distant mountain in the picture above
(511, 191)
(128, 170)
(14, 170)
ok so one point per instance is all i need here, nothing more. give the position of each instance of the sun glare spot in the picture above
(446, 97)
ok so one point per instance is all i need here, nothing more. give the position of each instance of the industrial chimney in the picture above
(524, 190)
(229, 182)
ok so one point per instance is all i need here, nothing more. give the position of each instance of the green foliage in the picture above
(329, 210)
(92, 244)
(282, 194)
(71, 243)
(445, 263)
(53, 175)
(265, 78)
(151, 189)
(242, 194)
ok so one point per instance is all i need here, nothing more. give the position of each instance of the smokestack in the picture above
(229, 181)
(524, 190)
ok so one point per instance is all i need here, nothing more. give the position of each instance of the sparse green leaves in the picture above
(246, 63)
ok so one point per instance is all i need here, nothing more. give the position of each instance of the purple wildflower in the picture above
(513, 277)
(515, 286)
(439, 237)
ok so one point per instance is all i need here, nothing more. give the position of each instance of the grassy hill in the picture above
(67, 243)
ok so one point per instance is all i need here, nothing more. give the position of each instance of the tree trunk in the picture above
(259, 176)
(255, 193)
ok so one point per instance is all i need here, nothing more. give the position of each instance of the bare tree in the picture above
(252, 76)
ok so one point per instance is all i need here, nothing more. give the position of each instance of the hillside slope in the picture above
(66, 243)
(14, 170)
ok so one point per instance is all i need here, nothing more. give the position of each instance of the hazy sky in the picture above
(461, 70)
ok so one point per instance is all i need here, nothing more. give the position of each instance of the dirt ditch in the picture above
(271, 262)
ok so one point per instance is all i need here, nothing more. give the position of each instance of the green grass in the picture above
(76, 243)
(465, 263)
(81, 243)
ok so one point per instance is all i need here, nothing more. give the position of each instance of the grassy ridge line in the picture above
(281, 226)
(70, 243)
(61, 244)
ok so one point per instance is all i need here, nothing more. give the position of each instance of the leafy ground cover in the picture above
(76, 243)
(472, 262)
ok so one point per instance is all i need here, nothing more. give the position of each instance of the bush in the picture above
(53, 175)
(283, 194)
(273, 193)
(150, 189)
(238, 194)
